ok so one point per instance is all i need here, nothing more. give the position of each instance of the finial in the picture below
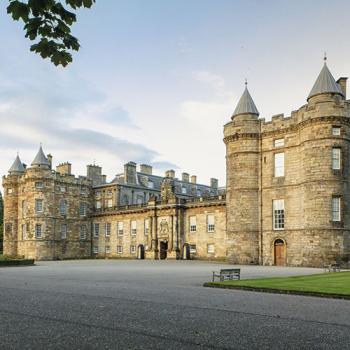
(245, 82)
(94, 161)
(41, 144)
(325, 57)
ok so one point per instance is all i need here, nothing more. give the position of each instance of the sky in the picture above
(155, 81)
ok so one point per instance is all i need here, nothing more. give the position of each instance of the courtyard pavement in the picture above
(121, 304)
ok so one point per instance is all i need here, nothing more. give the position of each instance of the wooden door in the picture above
(280, 253)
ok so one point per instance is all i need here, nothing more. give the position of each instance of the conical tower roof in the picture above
(325, 83)
(40, 159)
(246, 104)
(17, 167)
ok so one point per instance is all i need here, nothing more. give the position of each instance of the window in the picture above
(109, 203)
(62, 189)
(119, 249)
(199, 193)
(9, 190)
(120, 228)
(193, 224)
(150, 184)
(193, 249)
(336, 156)
(108, 229)
(38, 205)
(108, 250)
(98, 194)
(279, 164)
(146, 226)
(183, 190)
(279, 143)
(336, 130)
(82, 232)
(139, 200)
(95, 250)
(96, 230)
(24, 208)
(24, 231)
(278, 214)
(39, 185)
(109, 193)
(336, 209)
(133, 249)
(98, 204)
(82, 209)
(38, 231)
(63, 231)
(83, 191)
(210, 223)
(63, 207)
(210, 248)
(133, 228)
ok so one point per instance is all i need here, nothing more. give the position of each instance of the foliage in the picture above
(49, 22)
(1, 222)
(325, 283)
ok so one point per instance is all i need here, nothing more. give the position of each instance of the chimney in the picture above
(64, 168)
(194, 179)
(94, 173)
(130, 173)
(214, 183)
(170, 173)
(342, 83)
(146, 169)
(185, 177)
(49, 158)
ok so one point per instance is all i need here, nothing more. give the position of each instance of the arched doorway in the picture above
(280, 252)
(186, 252)
(140, 252)
(163, 247)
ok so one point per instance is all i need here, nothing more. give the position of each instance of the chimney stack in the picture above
(170, 174)
(49, 158)
(130, 173)
(146, 169)
(342, 83)
(185, 177)
(214, 183)
(194, 179)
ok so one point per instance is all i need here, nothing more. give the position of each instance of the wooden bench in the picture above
(332, 268)
(227, 274)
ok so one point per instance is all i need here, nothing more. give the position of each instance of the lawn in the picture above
(327, 283)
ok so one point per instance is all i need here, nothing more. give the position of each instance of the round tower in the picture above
(242, 139)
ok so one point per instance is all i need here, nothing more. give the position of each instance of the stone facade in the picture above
(286, 202)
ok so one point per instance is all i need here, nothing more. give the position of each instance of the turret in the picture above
(242, 136)
(17, 167)
(40, 160)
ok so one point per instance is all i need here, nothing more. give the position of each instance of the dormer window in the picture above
(183, 190)
(150, 184)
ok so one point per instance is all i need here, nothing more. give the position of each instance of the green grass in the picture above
(326, 283)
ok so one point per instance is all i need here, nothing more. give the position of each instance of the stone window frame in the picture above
(36, 228)
(82, 232)
(211, 251)
(24, 231)
(9, 190)
(340, 211)
(133, 249)
(108, 229)
(82, 209)
(210, 227)
(337, 127)
(39, 185)
(279, 140)
(193, 249)
(96, 229)
(274, 164)
(333, 158)
(64, 233)
(120, 228)
(37, 201)
(146, 227)
(133, 230)
(119, 249)
(95, 250)
(193, 228)
(108, 249)
(274, 227)
(63, 207)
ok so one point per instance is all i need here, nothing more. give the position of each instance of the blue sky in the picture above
(155, 81)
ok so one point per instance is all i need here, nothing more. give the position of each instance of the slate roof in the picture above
(325, 83)
(17, 166)
(245, 105)
(40, 158)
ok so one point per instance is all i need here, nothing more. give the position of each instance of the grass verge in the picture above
(331, 285)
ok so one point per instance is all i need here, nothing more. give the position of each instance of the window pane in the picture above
(336, 208)
(278, 214)
(279, 164)
(336, 155)
(336, 130)
(279, 143)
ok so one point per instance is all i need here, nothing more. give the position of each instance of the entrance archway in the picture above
(186, 252)
(163, 247)
(280, 252)
(140, 252)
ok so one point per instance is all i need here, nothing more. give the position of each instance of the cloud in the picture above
(71, 118)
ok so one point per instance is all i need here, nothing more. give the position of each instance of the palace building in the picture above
(286, 202)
